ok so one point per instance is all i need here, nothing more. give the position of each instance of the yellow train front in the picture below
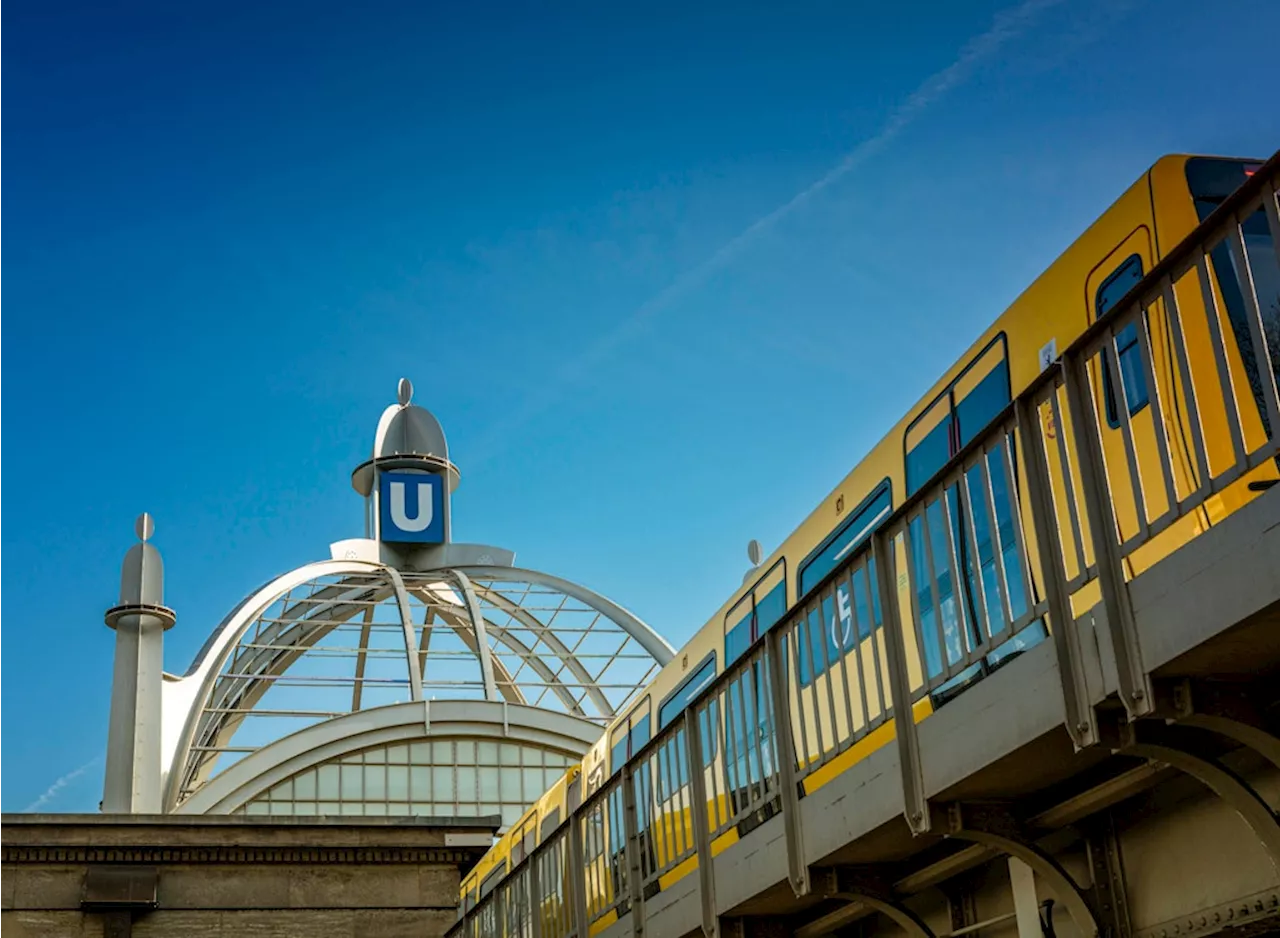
(968, 575)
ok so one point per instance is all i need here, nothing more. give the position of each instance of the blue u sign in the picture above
(412, 507)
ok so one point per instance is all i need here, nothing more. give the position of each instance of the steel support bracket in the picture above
(1228, 709)
(779, 698)
(872, 889)
(1135, 683)
(994, 826)
(1081, 721)
(1180, 747)
(915, 806)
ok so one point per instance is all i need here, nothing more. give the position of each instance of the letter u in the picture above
(400, 517)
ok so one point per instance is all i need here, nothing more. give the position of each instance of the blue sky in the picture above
(231, 229)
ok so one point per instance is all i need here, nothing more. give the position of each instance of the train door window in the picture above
(980, 393)
(842, 543)
(739, 627)
(959, 414)
(929, 442)
(1110, 292)
(629, 737)
(550, 823)
(489, 882)
(763, 605)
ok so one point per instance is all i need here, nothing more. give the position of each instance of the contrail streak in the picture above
(52, 791)
(1007, 25)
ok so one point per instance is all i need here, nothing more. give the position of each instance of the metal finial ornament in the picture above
(145, 527)
(755, 553)
(404, 392)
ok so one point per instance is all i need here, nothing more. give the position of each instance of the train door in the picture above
(838, 690)
(626, 739)
(1242, 274)
(748, 708)
(1130, 411)
(964, 599)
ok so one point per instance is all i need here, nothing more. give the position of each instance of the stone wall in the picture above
(206, 876)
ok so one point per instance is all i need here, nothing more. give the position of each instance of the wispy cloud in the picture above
(52, 791)
(1007, 26)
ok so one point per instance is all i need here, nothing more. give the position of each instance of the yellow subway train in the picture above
(1139, 397)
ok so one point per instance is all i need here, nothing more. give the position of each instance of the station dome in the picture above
(437, 680)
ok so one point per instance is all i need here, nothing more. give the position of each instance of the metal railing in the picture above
(1054, 500)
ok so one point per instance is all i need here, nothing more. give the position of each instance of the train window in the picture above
(833, 622)
(847, 538)
(679, 698)
(1128, 354)
(958, 415)
(763, 605)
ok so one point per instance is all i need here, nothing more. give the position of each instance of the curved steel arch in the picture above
(410, 641)
(482, 640)
(188, 699)
(267, 664)
(192, 690)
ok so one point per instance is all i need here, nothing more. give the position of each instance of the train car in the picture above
(839, 677)
(543, 817)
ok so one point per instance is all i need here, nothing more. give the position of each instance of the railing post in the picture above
(915, 805)
(631, 851)
(1081, 721)
(577, 876)
(789, 795)
(701, 827)
(1135, 683)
